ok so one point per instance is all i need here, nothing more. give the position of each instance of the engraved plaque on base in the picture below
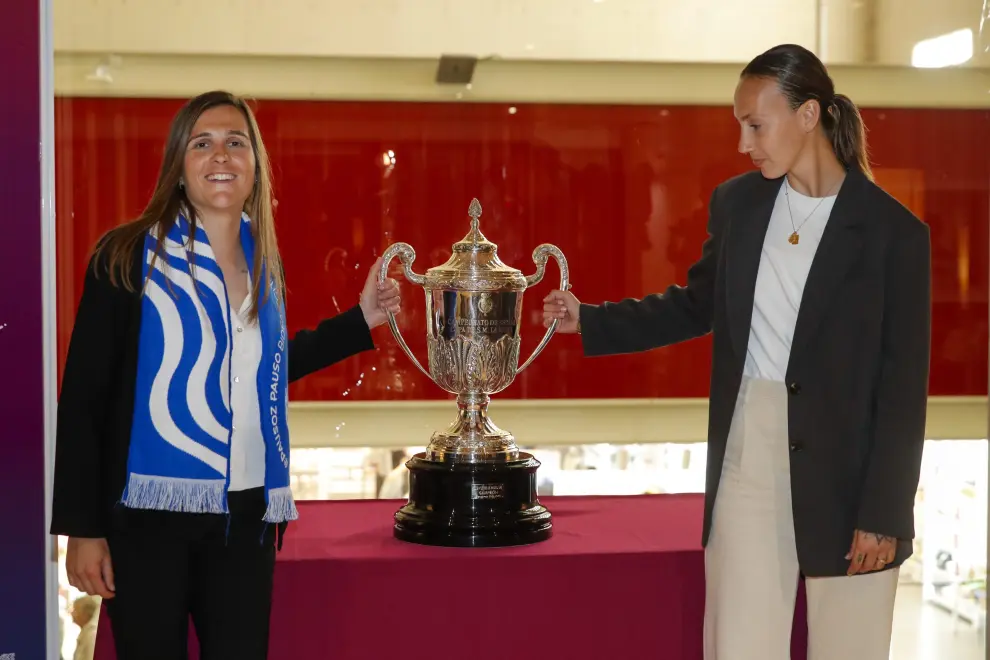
(473, 486)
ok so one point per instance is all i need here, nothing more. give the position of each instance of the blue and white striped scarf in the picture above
(180, 438)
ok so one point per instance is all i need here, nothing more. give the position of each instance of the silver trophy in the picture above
(473, 486)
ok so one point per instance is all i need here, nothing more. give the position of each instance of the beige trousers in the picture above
(751, 561)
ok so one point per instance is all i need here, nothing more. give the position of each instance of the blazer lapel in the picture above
(744, 245)
(839, 248)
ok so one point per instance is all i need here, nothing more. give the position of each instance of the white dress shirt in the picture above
(247, 444)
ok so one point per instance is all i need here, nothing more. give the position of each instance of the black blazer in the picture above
(96, 402)
(858, 369)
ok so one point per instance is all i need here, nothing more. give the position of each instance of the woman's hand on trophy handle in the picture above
(378, 298)
(540, 256)
(563, 307)
(407, 255)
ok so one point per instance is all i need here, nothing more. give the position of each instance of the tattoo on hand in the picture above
(881, 538)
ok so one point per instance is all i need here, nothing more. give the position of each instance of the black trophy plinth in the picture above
(475, 505)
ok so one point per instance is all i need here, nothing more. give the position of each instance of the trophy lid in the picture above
(474, 264)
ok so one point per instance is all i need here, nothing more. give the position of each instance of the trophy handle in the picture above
(406, 255)
(540, 255)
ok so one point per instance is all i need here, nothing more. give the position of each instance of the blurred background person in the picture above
(86, 615)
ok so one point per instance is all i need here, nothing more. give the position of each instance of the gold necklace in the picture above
(794, 238)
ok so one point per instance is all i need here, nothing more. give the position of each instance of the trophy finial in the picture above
(475, 212)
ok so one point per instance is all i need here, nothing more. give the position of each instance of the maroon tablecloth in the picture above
(622, 577)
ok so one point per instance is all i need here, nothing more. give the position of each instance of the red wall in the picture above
(622, 190)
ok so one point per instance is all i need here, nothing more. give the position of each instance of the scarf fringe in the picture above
(281, 506)
(174, 494)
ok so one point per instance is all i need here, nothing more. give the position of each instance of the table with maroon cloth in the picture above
(622, 577)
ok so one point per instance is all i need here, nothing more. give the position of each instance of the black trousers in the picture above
(170, 567)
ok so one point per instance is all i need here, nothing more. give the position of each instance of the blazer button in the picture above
(796, 446)
(794, 388)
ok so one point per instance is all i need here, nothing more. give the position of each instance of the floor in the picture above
(924, 632)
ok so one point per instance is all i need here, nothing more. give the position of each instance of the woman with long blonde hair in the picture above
(172, 449)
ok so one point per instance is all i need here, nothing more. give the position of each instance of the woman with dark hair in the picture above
(815, 285)
(172, 449)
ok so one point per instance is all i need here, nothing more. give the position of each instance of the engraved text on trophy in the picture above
(474, 340)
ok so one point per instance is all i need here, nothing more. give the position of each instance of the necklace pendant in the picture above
(794, 239)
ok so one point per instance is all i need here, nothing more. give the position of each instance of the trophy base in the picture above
(473, 505)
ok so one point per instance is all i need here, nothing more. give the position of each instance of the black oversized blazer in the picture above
(857, 377)
(96, 401)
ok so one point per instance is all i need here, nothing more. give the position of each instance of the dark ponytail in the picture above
(847, 132)
(802, 77)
